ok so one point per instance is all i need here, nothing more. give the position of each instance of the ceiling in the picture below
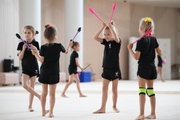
(164, 3)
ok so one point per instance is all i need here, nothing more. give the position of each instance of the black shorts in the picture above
(31, 73)
(49, 78)
(111, 74)
(149, 74)
(72, 70)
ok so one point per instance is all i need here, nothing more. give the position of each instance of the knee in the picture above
(24, 85)
(44, 94)
(114, 90)
(52, 95)
(150, 92)
(105, 89)
(142, 90)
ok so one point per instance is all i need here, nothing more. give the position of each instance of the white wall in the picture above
(9, 25)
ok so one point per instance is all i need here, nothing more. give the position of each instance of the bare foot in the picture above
(140, 117)
(51, 115)
(31, 110)
(100, 111)
(116, 110)
(44, 113)
(82, 95)
(64, 96)
(151, 117)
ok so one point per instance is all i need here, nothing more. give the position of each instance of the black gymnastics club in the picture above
(18, 36)
(78, 30)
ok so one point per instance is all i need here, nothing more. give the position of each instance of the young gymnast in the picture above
(49, 72)
(145, 54)
(73, 75)
(29, 64)
(160, 67)
(111, 69)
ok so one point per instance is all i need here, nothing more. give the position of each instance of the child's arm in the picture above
(158, 50)
(21, 52)
(77, 63)
(113, 33)
(96, 37)
(135, 54)
(69, 46)
(36, 54)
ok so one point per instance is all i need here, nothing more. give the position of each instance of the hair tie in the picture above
(147, 20)
(48, 25)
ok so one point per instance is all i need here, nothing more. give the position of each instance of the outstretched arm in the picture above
(96, 37)
(35, 52)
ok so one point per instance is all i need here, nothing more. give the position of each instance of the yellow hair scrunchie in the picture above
(147, 20)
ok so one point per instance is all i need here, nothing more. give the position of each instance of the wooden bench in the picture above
(9, 78)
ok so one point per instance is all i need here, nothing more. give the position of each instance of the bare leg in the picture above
(115, 94)
(52, 98)
(31, 96)
(25, 85)
(67, 85)
(152, 101)
(105, 83)
(142, 97)
(78, 85)
(43, 98)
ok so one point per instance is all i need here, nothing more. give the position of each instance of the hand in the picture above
(24, 47)
(70, 43)
(82, 69)
(130, 46)
(34, 50)
(104, 24)
(109, 25)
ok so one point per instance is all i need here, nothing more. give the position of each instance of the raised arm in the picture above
(114, 34)
(96, 37)
(69, 46)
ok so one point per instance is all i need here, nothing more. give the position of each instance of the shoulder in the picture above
(103, 41)
(20, 43)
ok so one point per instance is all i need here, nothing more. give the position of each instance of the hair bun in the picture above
(47, 26)
(36, 32)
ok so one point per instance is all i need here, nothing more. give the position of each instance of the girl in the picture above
(49, 73)
(160, 67)
(111, 69)
(29, 63)
(73, 75)
(145, 53)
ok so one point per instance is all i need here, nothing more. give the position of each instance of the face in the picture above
(77, 47)
(140, 31)
(28, 34)
(107, 35)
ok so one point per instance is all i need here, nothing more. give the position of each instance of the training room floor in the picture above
(14, 102)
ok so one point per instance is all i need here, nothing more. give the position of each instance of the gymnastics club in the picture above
(84, 68)
(112, 13)
(149, 33)
(78, 30)
(18, 36)
(93, 12)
